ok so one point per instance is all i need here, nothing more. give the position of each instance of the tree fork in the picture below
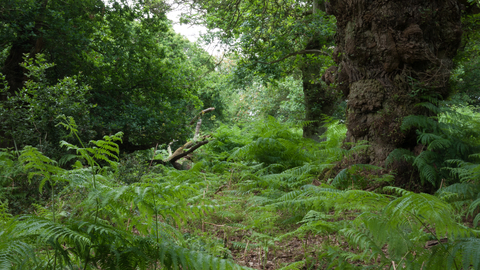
(182, 151)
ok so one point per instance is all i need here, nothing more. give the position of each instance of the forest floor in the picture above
(261, 238)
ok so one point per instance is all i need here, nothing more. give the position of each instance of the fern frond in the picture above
(432, 106)
(469, 250)
(426, 209)
(459, 191)
(66, 158)
(399, 154)
(348, 175)
(313, 215)
(363, 241)
(419, 121)
(14, 252)
(361, 200)
(426, 166)
(38, 164)
(47, 229)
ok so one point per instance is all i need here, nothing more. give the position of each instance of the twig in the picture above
(292, 54)
(220, 188)
(224, 225)
(439, 241)
(245, 252)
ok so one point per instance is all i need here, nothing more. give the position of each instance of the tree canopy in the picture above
(142, 77)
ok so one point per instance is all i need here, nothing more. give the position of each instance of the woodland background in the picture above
(340, 134)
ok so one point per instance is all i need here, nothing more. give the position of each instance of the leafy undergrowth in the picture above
(256, 197)
(279, 213)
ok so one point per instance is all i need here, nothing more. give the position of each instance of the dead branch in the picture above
(174, 157)
(191, 145)
(197, 129)
(200, 114)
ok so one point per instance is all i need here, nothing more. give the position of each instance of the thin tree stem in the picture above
(156, 220)
(438, 240)
(53, 215)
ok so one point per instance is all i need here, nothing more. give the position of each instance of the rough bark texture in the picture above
(390, 53)
(319, 100)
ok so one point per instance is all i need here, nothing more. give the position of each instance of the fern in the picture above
(39, 165)
(400, 154)
(15, 252)
(351, 175)
(446, 136)
(106, 225)
(469, 250)
(294, 266)
(364, 242)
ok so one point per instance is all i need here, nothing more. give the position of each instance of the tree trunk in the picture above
(15, 76)
(319, 100)
(390, 53)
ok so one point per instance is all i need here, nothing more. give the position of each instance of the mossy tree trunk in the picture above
(390, 53)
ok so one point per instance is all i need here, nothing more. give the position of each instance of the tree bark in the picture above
(31, 44)
(319, 100)
(390, 53)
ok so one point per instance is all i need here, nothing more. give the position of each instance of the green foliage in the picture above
(101, 224)
(8, 170)
(283, 100)
(158, 86)
(265, 31)
(95, 220)
(417, 229)
(403, 222)
(101, 150)
(281, 50)
(273, 154)
(452, 134)
(118, 66)
(28, 115)
(39, 165)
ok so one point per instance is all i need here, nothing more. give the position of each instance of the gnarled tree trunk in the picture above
(390, 53)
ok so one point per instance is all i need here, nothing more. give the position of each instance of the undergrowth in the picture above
(257, 196)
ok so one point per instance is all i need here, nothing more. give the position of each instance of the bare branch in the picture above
(200, 114)
(195, 147)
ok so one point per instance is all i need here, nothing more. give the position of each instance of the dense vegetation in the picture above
(96, 96)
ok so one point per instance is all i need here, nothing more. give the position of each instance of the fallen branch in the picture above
(191, 146)
(174, 157)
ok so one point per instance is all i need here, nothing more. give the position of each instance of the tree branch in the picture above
(200, 114)
(195, 147)
(294, 53)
